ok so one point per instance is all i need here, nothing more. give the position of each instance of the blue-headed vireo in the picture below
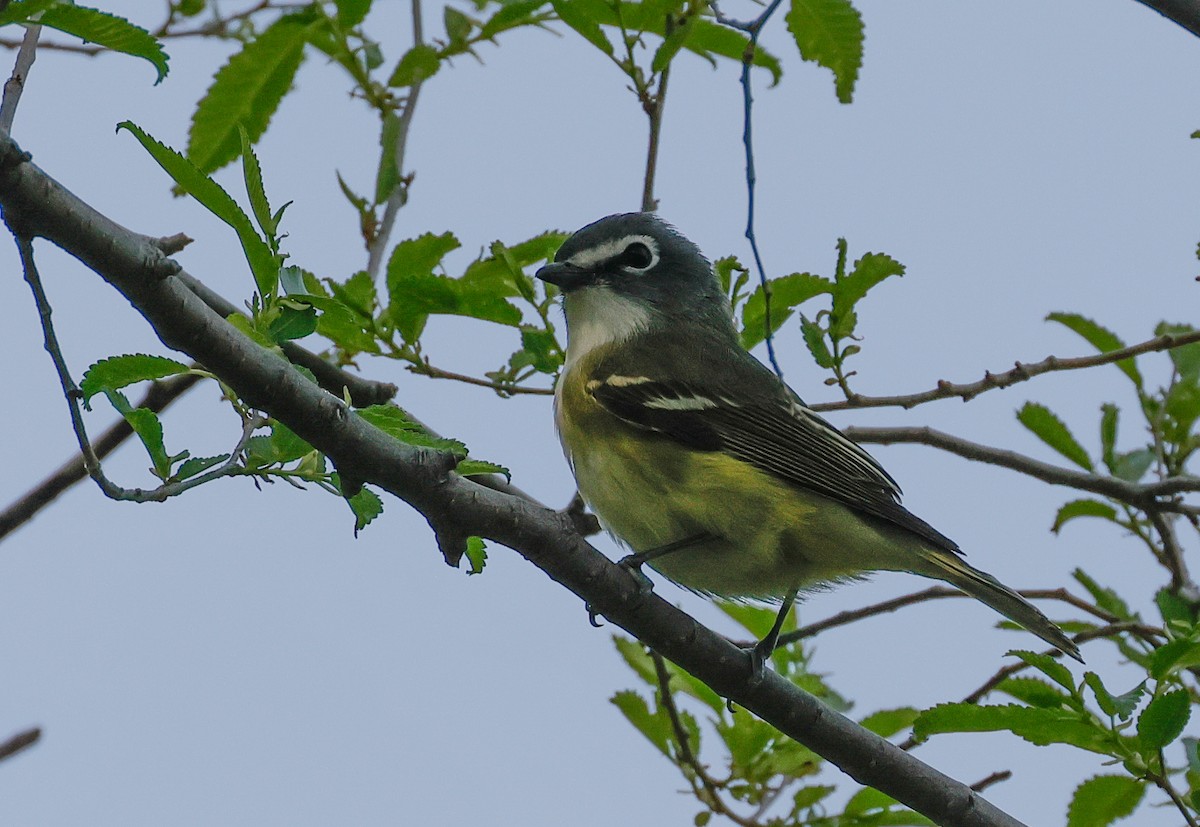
(701, 460)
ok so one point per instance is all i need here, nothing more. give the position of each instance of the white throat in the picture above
(596, 316)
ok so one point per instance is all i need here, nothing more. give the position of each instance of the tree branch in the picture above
(157, 398)
(35, 205)
(1020, 373)
(15, 85)
(1184, 12)
(20, 741)
(931, 593)
(1146, 496)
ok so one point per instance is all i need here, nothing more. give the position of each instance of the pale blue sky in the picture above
(236, 657)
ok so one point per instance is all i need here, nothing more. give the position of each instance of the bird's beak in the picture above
(566, 277)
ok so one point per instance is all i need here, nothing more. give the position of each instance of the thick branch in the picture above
(33, 204)
(1184, 12)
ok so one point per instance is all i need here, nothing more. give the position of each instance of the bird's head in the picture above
(631, 272)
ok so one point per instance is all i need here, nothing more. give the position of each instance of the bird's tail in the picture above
(987, 589)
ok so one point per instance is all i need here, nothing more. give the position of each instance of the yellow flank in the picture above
(768, 537)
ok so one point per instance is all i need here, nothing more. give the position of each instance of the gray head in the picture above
(639, 257)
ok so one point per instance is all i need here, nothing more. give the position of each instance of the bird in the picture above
(702, 461)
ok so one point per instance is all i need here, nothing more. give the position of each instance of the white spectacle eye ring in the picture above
(633, 254)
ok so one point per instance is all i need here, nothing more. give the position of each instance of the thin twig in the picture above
(1181, 580)
(708, 791)
(73, 395)
(1142, 630)
(157, 398)
(753, 28)
(1141, 495)
(1164, 784)
(995, 778)
(1020, 373)
(653, 105)
(426, 369)
(399, 195)
(931, 593)
(50, 342)
(20, 741)
(15, 85)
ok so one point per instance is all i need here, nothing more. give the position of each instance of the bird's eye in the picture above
(636, 256)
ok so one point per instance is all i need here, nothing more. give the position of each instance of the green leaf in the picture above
(146, 425)
(197, 465)
(1048, 666)
(1132, 466)
(1103, 799)
(868, 271)
(398, 424)
(109, 31)
(476, 555)
(1109, 415)
(639, 661)
(469, 467)
(1173, 656)
(366, 505)
(1037, 726)
(814, 338)
(344, 326)
(418, 64)
(1173, 608)
(582, 16)
(1083, 508)
(293, 281)
(1116, 706)
(1050, 429)
(357, 293)
(1105, 597)
(830, 33)
(655, 726)
(1035, 692)
(868, 800)
(887, 722)
(748, 740)
(286, 445)
(754, 619)
(510, 16)
(1185, 358)
(504, 271)
(1101, 338)
(672, 43)
(541, 349)
(415, 292)
(807, 797)
(246, 91)
(458, 27)
(1163, 719)
(118, 372)
(252, 173)
(387, 176)
(708, 38)
(786, 292)
(263, 262)
(352, 12)
(293, 323)
(24, 11)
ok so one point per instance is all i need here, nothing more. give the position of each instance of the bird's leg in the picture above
(763, 649)
(633, 564)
